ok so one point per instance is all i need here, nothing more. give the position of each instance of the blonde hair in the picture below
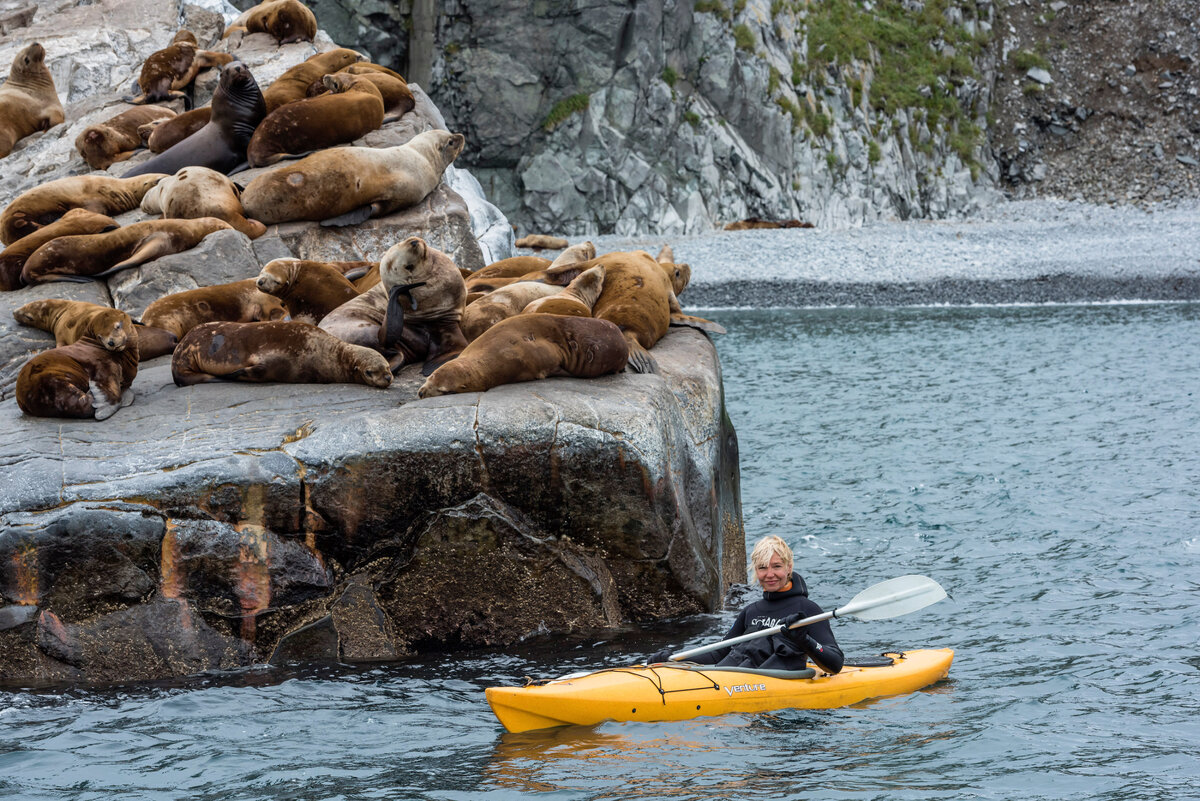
(761, 555)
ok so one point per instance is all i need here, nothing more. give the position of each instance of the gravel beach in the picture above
(1037, 251)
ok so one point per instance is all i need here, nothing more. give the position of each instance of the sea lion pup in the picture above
(293, 84)
(235, 302)
(117, 139)
(425, 300)
(83, 379)
(288, 352)
(309, 290)
(28, 100)
(576, 300)
(200, 192)
(286, 21)
(44, 204)
(398, 99)
(72, 320)
(94, 256)
(75, 221)
(529, 347)
(161, 135)
(346, 185)
(237, 109)
(501, 304)
(168, 71)
(352, 109)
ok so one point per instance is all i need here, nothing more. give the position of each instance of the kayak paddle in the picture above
(887, 599)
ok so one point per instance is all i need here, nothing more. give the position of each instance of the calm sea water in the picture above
(1043, 464)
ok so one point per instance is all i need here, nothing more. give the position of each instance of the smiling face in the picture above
(773, 574)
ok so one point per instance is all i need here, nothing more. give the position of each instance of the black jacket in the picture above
(788, 650)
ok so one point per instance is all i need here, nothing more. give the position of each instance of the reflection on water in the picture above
(1043, 464)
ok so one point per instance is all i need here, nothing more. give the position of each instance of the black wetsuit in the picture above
(788, 650)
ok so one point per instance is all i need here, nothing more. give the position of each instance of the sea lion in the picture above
(93, 256)
(44, 204)
(287, 352)
(75, 221)
(83, 379)
(72, 320)
(195, 192)
(398, 99)
(286, 21)
(237, 108)
(352, 109)
(353, 184)
(360, 320)
(165, 73)
(117, 139)
(576, 300)
(161, 135)
(501, 304)
(425, 300)
(236, 302)
(517, 266)
(293, 84)
(28, 100)
(309, 290)
(529, 347)
(541, 242)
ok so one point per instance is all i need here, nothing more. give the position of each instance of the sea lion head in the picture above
(452, 147)
(30, 61)
(680, 275)
(371, 366)
(184, 35)
(449, 379)
(404, 261)
(276, 276)
(111, 327)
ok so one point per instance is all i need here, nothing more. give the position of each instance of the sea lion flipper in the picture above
(361, 214)
(640, 360)
(393, 321)
(152, 247)
(698, 323)
(433, 364)
(356, 273)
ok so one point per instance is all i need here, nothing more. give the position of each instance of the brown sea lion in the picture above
(72, 320)
(352, 109)
(237, 108)
(75, 221)
(162, 135)
(541, 242)
(519, 266)
(501, 304)
(426, 297)
(309, 290)
(165, 73)
(576, 300)
(195, 192)
(83, 379)
(346, 185)
(293, 84)
(360, 321)
(398, 99)
(90, 256)
(236, 302)
(286, 21)
(28, 100)
(529, 347)
(287, 352)
(117, 139)
(44, 204)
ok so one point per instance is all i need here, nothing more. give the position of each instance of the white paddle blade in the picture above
(893, 598)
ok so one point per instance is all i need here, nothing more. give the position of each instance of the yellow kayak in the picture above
(680, 691)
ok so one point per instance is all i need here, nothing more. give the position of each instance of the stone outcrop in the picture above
(223, 525)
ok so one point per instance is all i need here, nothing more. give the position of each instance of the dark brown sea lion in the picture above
(88, 256)
(165, 73)
(309, 290)
(293, 84)
(237, 109)
(353, 183)
(28, 100)
(287, 352)
(82, 379)
(236, 302)
(44, 204)
(352, 109)
(75, 221)
(529, 347)
(117, 139)
(576, 300)
(752, 223)
(162, 135)
(359, 321)
(426, 297)
(195, 192)
(286, 21)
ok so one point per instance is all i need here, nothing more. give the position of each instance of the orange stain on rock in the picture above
(170, 578)
(25, 573)
(254, 567)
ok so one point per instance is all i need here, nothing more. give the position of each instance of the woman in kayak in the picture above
(785, 600)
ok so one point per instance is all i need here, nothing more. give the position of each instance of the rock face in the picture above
(219, 526)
